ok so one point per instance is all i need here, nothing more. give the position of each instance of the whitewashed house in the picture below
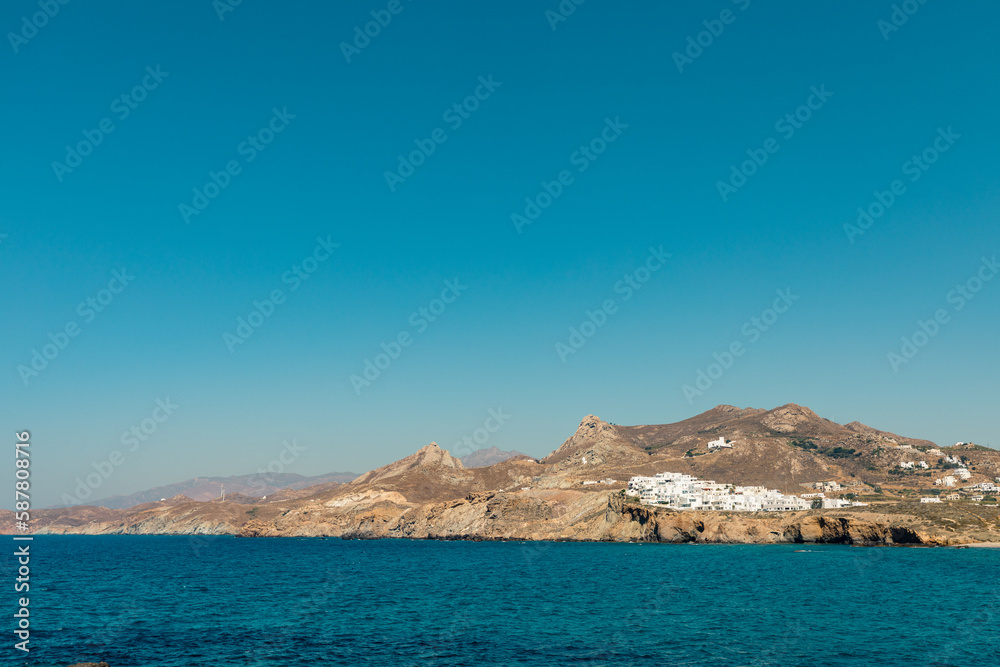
(684, 492)
(931, 499)
(719, 444)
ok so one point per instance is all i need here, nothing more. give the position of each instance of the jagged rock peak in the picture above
(593, 427)
(433, 455)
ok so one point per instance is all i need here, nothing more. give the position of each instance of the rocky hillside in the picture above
(575, 492)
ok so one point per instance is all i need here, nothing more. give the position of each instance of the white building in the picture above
(923, 464)
(906, 446)
(834, 503)
(962, 473)
(681, 491)
(934, 451)
(952, 496)
(932, 499)
(906, 465)
(719, 444)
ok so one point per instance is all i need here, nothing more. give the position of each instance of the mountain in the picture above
(575, 493)
(208, 488)
(482, 458)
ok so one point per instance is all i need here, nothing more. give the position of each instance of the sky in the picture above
(242, 236)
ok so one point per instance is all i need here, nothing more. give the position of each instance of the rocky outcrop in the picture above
(556, 514)
(596, 443)
(788, 418)
(429, 456)
(820, 527)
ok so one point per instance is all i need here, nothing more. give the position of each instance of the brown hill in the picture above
(431, 493)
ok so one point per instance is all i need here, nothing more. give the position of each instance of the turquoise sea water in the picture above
(173, 601)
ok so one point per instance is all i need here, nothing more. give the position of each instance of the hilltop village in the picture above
(682, 491)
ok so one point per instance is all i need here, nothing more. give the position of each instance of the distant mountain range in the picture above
(202, 489)
(208, 488)
(486, 457)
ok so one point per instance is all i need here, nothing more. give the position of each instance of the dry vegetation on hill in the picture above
(432, 494)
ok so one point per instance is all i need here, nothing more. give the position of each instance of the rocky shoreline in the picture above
(553, 516)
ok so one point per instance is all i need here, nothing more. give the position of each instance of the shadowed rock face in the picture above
(431, 494)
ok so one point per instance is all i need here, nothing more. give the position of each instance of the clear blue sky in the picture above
(521, 286)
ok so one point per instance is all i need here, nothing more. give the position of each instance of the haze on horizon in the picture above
(581, 235)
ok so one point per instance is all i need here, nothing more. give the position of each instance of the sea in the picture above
(221, 601)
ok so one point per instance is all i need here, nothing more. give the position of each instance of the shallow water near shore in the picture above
(221, 601)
